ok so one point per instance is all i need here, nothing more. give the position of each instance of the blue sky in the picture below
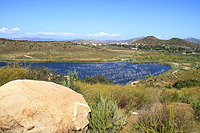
(99, 19)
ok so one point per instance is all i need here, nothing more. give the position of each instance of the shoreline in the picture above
(89, 61)
(78, 61)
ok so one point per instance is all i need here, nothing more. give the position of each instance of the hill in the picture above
(180, 43)
(123, 41)
(173, 42)
(80, 41)
(194, 40)
(56, 51)
(148, 40)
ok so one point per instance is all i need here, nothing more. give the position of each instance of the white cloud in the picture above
(46, 33)
(40, 33)
(51, 33)
(114, 35)
(159, 36)
(103, 34)
(67, 34)
(100, 34)
(6, 30)
(15, 29)
(28, 33)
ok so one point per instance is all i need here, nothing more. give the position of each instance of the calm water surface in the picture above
(119, 72)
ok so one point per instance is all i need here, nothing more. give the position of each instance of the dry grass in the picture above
(127, 97)
(9, 74)
(167, 110)
(57, 51)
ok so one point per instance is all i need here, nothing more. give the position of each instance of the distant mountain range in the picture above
(106, 41)
(142, 39)
(77, 40)
(194, 40)
(80, 41)
(123, 41)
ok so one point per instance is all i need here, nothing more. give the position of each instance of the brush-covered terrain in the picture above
(166, 103)
(23, 50)
(57, 51)
(173, 42)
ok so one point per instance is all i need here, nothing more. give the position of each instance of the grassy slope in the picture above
(56, 51)
(169, 79)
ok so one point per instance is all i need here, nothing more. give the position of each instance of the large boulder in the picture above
(39, 106)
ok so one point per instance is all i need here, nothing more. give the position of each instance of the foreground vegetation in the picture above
(166, 103)
(145, 107)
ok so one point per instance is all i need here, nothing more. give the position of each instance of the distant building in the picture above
(134, 48)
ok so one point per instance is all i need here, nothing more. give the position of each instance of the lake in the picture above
(119, 72)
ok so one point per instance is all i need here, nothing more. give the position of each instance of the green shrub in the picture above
(195, 103)
(39, 73)
(192, 97)
(14, 71)
(177, 117)
(10, 73)
(105, 116)
(171, 95)
(72, 77)
(186, 83)
(98, 79)
(58, 78)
